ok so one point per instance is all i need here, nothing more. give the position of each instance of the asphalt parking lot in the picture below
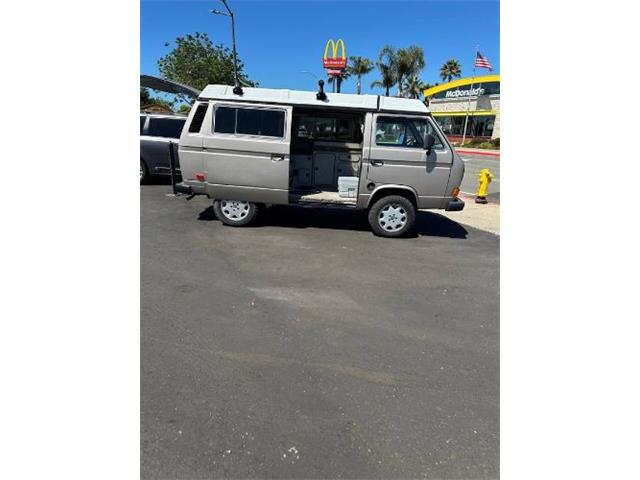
(306, 347)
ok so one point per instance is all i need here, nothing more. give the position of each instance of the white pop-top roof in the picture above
(300, 97)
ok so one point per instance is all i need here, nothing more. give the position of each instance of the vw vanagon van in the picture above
(265, 147)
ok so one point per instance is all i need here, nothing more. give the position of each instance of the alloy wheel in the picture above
(392, 217)
(234, 209)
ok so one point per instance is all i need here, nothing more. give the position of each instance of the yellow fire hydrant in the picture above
(483, 185)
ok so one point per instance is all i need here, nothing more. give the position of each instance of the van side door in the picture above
(246, 153)
(397, 156)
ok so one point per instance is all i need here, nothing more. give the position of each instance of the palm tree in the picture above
(403, 63)
(388, 59)
(450, 70)
(338, 79)
(413, 61)
(359, 66)
(427, 86)
(414, 87)
(387, 79)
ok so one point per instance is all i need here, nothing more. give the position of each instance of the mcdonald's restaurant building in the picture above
(480, 96)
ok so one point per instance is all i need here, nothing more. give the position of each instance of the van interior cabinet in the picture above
(348, 165)
(324, 169)
(301, 168)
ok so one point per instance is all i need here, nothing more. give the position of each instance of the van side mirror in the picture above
(429, 140)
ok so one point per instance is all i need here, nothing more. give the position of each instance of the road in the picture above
(306, 347)
(473, 165)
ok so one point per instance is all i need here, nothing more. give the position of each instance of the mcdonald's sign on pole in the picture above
(331, 61)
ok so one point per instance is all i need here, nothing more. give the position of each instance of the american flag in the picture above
(482, 61)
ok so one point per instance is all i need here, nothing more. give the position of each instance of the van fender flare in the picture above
(392, 189)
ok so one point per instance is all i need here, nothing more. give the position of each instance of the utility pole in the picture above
(466, 118)
(237, 89)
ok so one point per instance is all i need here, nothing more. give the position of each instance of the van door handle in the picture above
(377, 163)
(275, 157)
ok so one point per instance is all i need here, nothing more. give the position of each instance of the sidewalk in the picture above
(478, 151)
(483, 217)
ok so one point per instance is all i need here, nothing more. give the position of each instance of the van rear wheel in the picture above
(392, 216)
(236, 213)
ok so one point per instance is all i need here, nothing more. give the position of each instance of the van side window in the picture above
(249, 121)
(328, 127)
(198, 117)
(396, 132)
(225, 121)
(423, 127)
(268, 123)
(142, 120)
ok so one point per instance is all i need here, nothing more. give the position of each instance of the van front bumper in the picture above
(454, 205)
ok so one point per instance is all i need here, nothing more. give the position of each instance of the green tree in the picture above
(359, 66)
(196, 62)
(147, 99)
(145, 96)
(386, 80)
(427, 86)
(387, 64)
(450, 70)
(414, 87)
(410, 63)
(339, 79)
(403, 63)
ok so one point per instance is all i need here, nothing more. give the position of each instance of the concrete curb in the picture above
(484, 217)
(474, 151)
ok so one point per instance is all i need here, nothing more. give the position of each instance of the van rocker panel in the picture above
(248, 194)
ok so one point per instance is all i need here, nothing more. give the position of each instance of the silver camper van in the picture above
(262, 147)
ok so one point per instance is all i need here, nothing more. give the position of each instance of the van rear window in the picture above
(250, 121)
(166, 127)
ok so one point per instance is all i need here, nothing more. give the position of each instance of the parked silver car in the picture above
(156, 131)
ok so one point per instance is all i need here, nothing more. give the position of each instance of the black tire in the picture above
(144, 172)
(234, 213)
(392, 216)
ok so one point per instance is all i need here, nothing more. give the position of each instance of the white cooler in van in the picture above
(348, 187)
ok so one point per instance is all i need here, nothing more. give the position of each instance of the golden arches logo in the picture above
(334, 61)
(334, 49)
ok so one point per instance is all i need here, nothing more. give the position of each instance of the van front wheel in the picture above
(392, 216)
(235, 212)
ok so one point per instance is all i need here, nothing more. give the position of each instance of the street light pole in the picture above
(237, 89)
(310, 73)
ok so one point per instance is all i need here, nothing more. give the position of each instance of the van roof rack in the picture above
(373, 103)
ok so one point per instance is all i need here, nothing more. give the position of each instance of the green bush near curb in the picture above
(493, 144)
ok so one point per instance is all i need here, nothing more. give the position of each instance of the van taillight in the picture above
(200, 176)
(455, 192)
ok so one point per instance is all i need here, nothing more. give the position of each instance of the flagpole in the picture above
(473, 79)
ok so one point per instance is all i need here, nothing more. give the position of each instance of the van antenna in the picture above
(237, 89)
(321, 95)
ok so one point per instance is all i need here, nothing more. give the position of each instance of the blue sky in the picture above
(277, 40)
